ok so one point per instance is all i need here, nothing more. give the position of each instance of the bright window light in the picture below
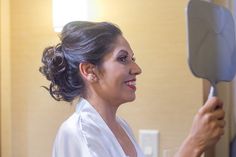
(65, 11)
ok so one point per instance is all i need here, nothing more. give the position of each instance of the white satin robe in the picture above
(85, 134)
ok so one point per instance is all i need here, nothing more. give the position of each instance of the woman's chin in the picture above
(131, 98)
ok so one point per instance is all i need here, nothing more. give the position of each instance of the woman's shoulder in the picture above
(84, 122)
(85, 130)
(70, 127)
(74, 124)
(69, 141)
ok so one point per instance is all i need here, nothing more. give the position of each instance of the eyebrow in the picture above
(124, 51)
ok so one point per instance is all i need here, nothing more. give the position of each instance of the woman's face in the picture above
(117, 74)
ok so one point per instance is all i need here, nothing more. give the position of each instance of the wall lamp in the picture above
(65, 11)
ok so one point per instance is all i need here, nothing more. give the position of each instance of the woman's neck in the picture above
(106, 109)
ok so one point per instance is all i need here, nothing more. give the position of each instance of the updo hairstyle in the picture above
(81, 41)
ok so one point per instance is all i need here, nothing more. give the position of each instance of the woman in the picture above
(95, 62)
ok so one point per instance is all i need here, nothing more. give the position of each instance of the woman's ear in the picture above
(87, 71)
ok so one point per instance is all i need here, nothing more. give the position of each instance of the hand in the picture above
(207, 128)
(208, 124)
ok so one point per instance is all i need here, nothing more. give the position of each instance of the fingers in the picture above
(211, 105)
(217, 124)
(218, 132)
(221, 123)
(218, 114)
(215, 118)
(208, 125)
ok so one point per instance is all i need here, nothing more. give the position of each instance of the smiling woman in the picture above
(96, 63)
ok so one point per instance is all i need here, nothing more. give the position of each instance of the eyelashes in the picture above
(126, 59)
(123, 59)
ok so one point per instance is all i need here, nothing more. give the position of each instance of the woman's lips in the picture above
(131, 84)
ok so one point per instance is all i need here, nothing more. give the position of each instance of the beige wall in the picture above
(0, 78)
(167, 97)
(5, 80)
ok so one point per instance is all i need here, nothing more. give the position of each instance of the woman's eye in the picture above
(123, 59)
(126, 59)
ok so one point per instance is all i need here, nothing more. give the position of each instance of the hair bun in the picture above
(80, 41)
(54, 62)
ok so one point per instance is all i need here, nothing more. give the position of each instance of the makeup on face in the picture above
(124, 57)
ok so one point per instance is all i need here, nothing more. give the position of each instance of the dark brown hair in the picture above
(81, 41)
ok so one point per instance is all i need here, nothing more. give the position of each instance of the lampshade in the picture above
(65, 11)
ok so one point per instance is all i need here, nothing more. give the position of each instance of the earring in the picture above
(91, 77)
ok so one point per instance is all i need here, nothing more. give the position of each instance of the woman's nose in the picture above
(135, 69)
